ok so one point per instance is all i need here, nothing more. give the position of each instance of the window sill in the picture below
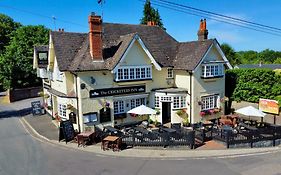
(213, 77)
(124, 81)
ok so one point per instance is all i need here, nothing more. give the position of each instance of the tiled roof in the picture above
(189, 54)
(72, 49)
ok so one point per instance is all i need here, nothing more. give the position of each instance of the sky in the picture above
(72, 15)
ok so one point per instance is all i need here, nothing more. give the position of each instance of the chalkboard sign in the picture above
(66, 131)
(36, 108)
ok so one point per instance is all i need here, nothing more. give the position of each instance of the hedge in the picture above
(252, 84)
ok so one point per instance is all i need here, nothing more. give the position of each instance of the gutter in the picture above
(191, 93)
(77, 103)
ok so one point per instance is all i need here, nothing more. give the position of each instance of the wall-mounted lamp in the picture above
(82, 85)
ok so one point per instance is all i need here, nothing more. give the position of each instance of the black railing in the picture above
(248, 135)
(143, 137)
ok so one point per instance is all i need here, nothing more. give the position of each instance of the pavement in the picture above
(44, 130)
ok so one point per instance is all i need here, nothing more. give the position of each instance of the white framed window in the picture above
(166, 99)
(212, 70)
(133, 73)
(209, 102)
(176, 102)
(119, 107)
(156, 103)
(170, 73)
(179, 102)
(62, 110)
(183, 102)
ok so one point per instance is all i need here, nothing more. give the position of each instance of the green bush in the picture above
(252, 84)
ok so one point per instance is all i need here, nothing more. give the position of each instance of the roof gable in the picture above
(137, 39)
(72, 49)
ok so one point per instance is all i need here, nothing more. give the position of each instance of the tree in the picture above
(16, 64)
(277, 61)
(230, 54)
(7, 26)
(150, 14)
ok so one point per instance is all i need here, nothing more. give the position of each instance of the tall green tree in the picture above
(230, 54)
(7, 26)
(16, 64)
(151, 14)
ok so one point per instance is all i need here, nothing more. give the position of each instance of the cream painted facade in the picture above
(184, 91)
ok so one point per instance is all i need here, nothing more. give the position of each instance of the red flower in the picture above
(202, 113)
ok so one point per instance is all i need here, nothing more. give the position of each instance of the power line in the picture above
(220, 18)
(221, 15)
(44, 16)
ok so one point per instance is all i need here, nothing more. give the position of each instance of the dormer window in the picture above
(170, 73)
(212, 70)
(131, 73)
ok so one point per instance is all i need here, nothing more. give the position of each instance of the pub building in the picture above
(93, 79)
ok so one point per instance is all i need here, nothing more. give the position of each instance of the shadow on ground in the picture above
(15, 113)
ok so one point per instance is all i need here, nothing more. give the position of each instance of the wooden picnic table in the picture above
(111, 142)
(85, 137)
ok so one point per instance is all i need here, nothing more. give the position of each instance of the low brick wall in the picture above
(20, 94)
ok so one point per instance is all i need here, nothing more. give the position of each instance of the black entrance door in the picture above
(166, 112)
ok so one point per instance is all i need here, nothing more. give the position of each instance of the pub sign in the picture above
(116, 91)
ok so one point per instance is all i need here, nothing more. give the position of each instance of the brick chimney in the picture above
(151, 23)
(95, 37)
(202, 32)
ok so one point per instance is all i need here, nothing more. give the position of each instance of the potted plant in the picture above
(182, 114)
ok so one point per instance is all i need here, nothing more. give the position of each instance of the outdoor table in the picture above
(142, 130)
(169, 130)
(247, 126)
(84, 137)
(111, 129)
(111, 142)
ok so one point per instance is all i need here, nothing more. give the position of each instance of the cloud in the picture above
(226, 36)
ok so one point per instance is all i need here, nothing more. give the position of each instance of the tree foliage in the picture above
(252, 84)
(16, 63)
(7, 26)
(151, 14)
(266, 56)
(230, 54)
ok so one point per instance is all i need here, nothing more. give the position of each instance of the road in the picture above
(23, 154)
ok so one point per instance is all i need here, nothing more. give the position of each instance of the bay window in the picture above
(209, 102)
(212, 70)
(133, 73)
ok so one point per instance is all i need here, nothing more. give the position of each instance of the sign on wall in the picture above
(269, 106)
(116, 91)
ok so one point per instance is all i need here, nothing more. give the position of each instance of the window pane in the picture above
(142, 72)
(137, 73)
(148, 72)
(133, 103)
(126, 74)
(132, 73)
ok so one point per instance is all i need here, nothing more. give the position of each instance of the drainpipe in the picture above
(191, 93)
(77, 103)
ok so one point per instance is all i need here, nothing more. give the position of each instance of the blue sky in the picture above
(181, 26)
